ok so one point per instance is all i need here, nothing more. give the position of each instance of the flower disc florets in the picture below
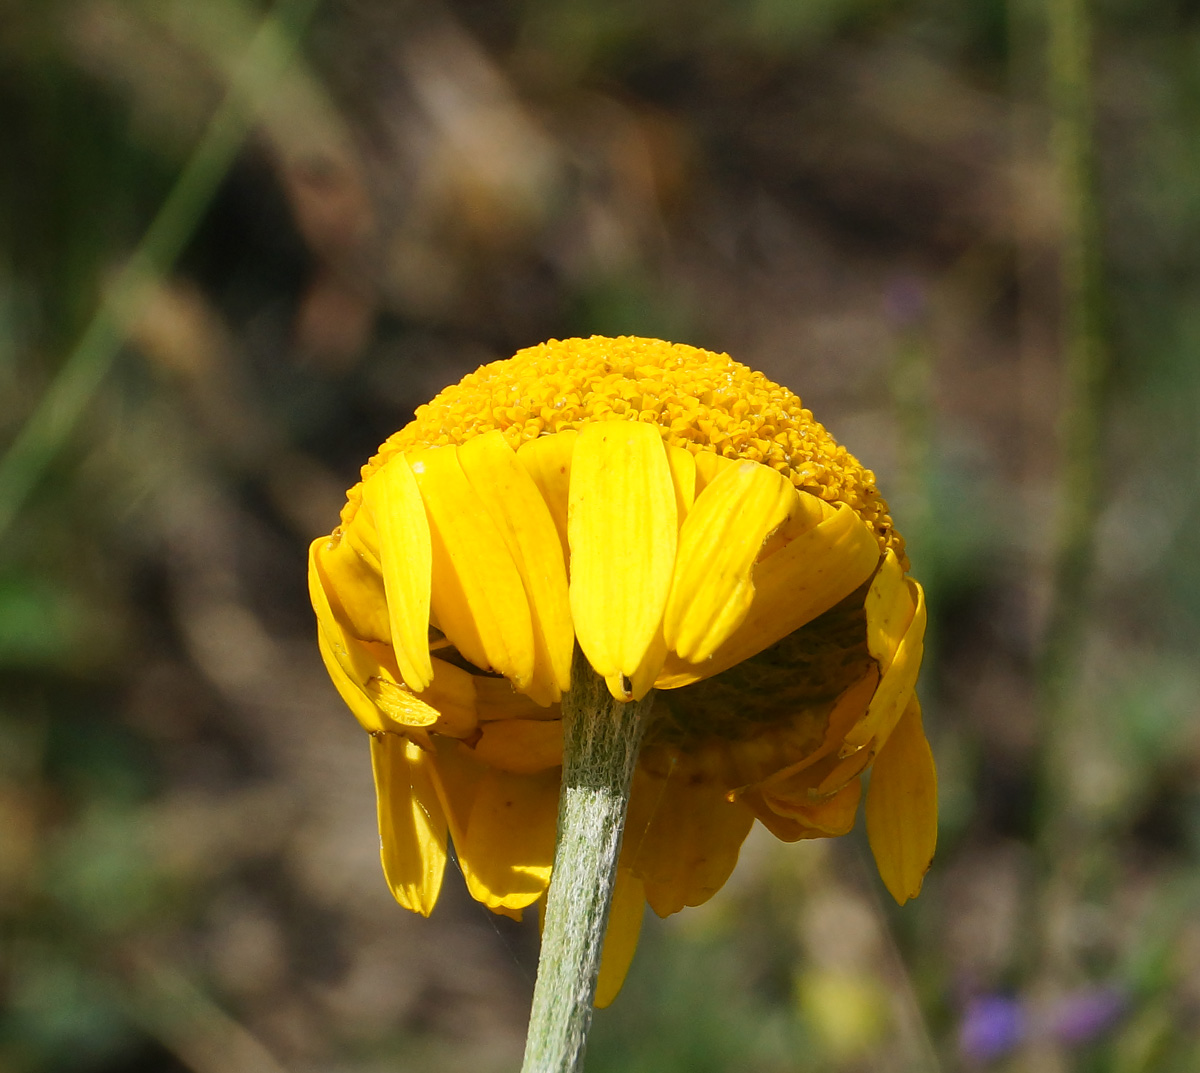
(693, 529)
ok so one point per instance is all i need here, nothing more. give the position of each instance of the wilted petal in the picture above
(450, 696)
(902, 807)
(683, 837)
(360, 704)
(889, 606)
(898, 681)
(824, 817)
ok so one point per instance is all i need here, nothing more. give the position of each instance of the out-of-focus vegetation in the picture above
(864, 198)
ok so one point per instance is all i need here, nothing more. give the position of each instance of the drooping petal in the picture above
(451, 696)
(547, 460)
(361, 706)
(478, 597)
(400, 704)
(846, 768)
(508, 850)
(405, 558)
(828, 816)
(496, 699)
(516, 506)
(897, 684)
(349, 661)
(711, 591)
(356, 586)
(521, 746)
(456, 775)
(682, 837)
(889, 606)
(792, 587)
(621, 939)
(412, 825)
(902, 807)
(622, 528)
(452, 693)
(849, 707)
(350, 650)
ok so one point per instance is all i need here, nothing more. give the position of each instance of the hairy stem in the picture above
(601, 737)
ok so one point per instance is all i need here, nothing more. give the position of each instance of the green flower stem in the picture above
(601, 737)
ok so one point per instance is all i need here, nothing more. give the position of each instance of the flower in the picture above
(694, 530)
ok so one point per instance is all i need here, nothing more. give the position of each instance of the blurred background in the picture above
(240, 243)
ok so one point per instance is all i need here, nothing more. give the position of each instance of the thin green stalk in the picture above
(1084, 338)
(47, 429)
(601, 737)
(1065, 837)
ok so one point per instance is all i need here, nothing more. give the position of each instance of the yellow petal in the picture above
(478, 596)
(897, 684)
(354, 587)
(331, 576)
(412, 825)
(709, 466)
(391, 495)
(452, 693)
(843, 771)
(847, 710)
(683, 475)
(622, 526)
(400, 704)
(792, 587)
(496, 699)
(450, 699)
(683, 837)
(456, 776)
(889, 606)
(807, 512)
(508, 850)
(349, 661)
(362, 707)
(638, 684)
(516, 506)
(621, 939)
(830, 817)
(547, 459)
(521, 746)
(712, 591)
(902, 807)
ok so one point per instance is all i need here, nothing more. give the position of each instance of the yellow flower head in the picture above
(694, 530)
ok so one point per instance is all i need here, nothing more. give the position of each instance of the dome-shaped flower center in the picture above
(700, 401)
